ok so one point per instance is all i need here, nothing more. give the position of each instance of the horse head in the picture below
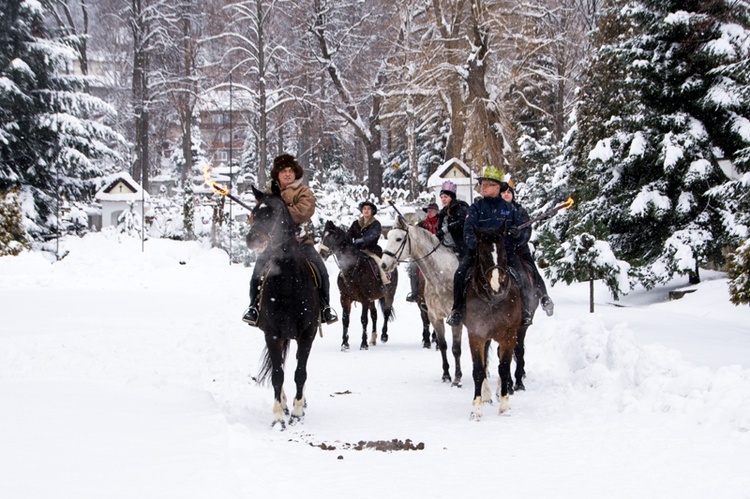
(334, 240)
(492, 261)
(270, 223)
(397, 247)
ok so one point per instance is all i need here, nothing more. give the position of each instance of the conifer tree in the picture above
(12, 236)
(51, 132)
(661, 105)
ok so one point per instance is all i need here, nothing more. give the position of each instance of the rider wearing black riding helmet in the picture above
(523, 250)
(287, 175)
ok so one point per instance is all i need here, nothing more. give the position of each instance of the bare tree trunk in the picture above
(140, 94)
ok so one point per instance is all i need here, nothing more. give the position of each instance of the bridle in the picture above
(400, 251)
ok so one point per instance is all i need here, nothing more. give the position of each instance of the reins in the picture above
(400, 251)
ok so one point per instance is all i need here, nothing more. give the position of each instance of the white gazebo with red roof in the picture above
(119, 193)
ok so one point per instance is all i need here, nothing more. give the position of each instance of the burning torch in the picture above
(547, 214)
(220, 189)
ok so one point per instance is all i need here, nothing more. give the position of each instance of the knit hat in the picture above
(494, 174)
(286, 161)
(432, 206)
(448, 188)
(370, 204)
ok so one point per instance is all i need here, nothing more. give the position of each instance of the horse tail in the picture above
(266, 366)
(388, 312)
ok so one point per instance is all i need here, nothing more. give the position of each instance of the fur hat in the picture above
(286, 161)
(370, 204)
(494, 174)
(431, 206)
(448, 188)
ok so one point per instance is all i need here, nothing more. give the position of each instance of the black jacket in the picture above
(370, 234)
(455, 215)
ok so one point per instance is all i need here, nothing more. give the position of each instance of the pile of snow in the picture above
(128, 373)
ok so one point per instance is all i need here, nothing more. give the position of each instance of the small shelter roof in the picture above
(121, 187)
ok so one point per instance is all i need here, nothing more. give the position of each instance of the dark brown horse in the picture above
(289, 303)
(358, 281)
(493, 312)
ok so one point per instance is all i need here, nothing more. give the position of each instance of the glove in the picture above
(514, 232)
(359, 242)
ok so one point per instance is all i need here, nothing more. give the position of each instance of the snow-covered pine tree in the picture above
(12, 236)
(50, 130)
(657, 113)
(739, 275)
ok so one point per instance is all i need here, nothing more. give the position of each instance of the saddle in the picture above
(374, 262)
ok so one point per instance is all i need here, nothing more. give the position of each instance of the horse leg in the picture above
(519, 352)
(304, 345)
(374, 317)
(346, 308)
(363, 319)
(276, 348)
(476, 345)
(456, 349)
(387, 311)
(442, 345)
(505, 354)
(426, 342)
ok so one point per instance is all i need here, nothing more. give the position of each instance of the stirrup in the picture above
(411, 297)
(329, 315)
(526, 321)
(251, 316)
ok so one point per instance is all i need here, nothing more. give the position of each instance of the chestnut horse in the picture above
(289, 304)
(493, 312)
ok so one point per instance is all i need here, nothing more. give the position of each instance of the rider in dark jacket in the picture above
(366, 230)
(492, 211)
(524, 252)
(451, 219)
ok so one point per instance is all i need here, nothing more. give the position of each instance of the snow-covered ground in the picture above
(127, 374)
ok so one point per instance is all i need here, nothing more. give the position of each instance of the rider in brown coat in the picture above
(287, 174)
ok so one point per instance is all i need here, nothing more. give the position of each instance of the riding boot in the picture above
(251, 314)
(413, 272)
(457, 311)
(328, 315)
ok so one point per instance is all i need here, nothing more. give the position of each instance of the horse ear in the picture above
(401, 223)
(328, 226)
(275, 189)
(258, 194)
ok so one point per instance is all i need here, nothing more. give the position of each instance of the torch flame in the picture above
(568, 203)
(219, 189)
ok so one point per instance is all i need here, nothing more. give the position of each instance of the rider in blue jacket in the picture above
(490, 212)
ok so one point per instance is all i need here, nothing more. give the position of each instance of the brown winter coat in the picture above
(301, 203)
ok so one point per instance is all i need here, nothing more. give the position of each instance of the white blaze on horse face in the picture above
(495, 275)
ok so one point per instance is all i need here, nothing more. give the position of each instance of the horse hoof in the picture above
(384, 338)
(281, 423)
(296, 419)
(426, 344)
(344, 347)
(364, 346)
(446, 378)
(519, 386)
(457, 384)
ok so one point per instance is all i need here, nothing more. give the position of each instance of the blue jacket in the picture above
(491, 213)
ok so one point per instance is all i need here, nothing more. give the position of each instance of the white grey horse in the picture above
(438, 263)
